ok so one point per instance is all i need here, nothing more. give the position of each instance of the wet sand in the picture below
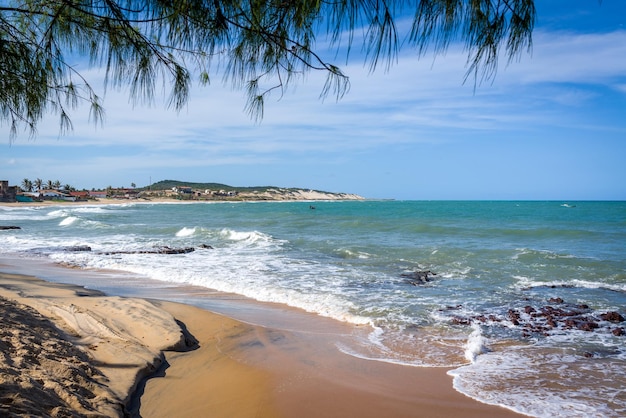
(199, 363)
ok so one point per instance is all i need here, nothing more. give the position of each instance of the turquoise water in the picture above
(352, 261)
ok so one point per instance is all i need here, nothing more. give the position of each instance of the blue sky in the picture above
(551, 126)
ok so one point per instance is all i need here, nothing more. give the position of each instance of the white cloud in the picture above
(564, 57)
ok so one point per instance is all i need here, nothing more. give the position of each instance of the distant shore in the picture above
(90, 202)
(199, 361)
(302, 196)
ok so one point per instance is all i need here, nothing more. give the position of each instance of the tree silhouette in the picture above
(27, 185)
(257, 45)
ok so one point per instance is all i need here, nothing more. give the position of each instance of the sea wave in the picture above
(476, 344)
(522, 378)
(186, 232)
(528, 283)
(526, 254)
(58, 213)
(346, 253)
(68, 221)
(246, 236)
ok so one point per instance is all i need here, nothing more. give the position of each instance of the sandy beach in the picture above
(69, 351)
(98, 202)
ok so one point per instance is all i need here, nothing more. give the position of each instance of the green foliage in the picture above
(169, 184)
(260, 45)
(27, 185)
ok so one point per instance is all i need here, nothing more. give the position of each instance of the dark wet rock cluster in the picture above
(4, 228)
(158, 250)
(418, 277)
(547, 319)
(77, 248)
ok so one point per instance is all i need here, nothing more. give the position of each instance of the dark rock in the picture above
(612, 317)
(587, 326)
(9, 227)
(205, 246)
(546, 320)
(588, 354)
(458, 320)
(168, 250)
(418, 277)
(162, 250)
(77, 248)
(514, 316)
(452, 308)
(569, 324)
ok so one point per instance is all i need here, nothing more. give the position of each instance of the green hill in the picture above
(169, 184)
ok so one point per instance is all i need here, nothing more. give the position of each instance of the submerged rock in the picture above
(9, 227)
(546, 320)
(77, 248)
(418, 277)
(161, 250)
(612, 317)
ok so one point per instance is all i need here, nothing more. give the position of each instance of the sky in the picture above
(551, 126)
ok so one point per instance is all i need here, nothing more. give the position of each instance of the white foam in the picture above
(476, 344)
(544, 382)
(227, 271)
(526, 282)
(346, 253)
(245, 236)
(68, 221)
(59, 213)
(186, 232)
(91, 209)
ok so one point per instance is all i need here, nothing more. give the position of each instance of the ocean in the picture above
(524, 302)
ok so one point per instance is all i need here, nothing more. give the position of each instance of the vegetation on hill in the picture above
(169, 184)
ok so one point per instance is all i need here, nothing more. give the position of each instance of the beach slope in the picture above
(66, 348)
(69, 351)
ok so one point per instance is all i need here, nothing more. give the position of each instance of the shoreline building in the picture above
(7, 193)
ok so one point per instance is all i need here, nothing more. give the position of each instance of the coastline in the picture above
(235, 369)
(269, 195)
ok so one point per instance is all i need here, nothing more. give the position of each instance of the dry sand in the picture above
(67, 351)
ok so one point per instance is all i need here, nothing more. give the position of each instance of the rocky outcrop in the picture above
(548, 319)
(612, 317)
(4, 228)
(161, 250)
